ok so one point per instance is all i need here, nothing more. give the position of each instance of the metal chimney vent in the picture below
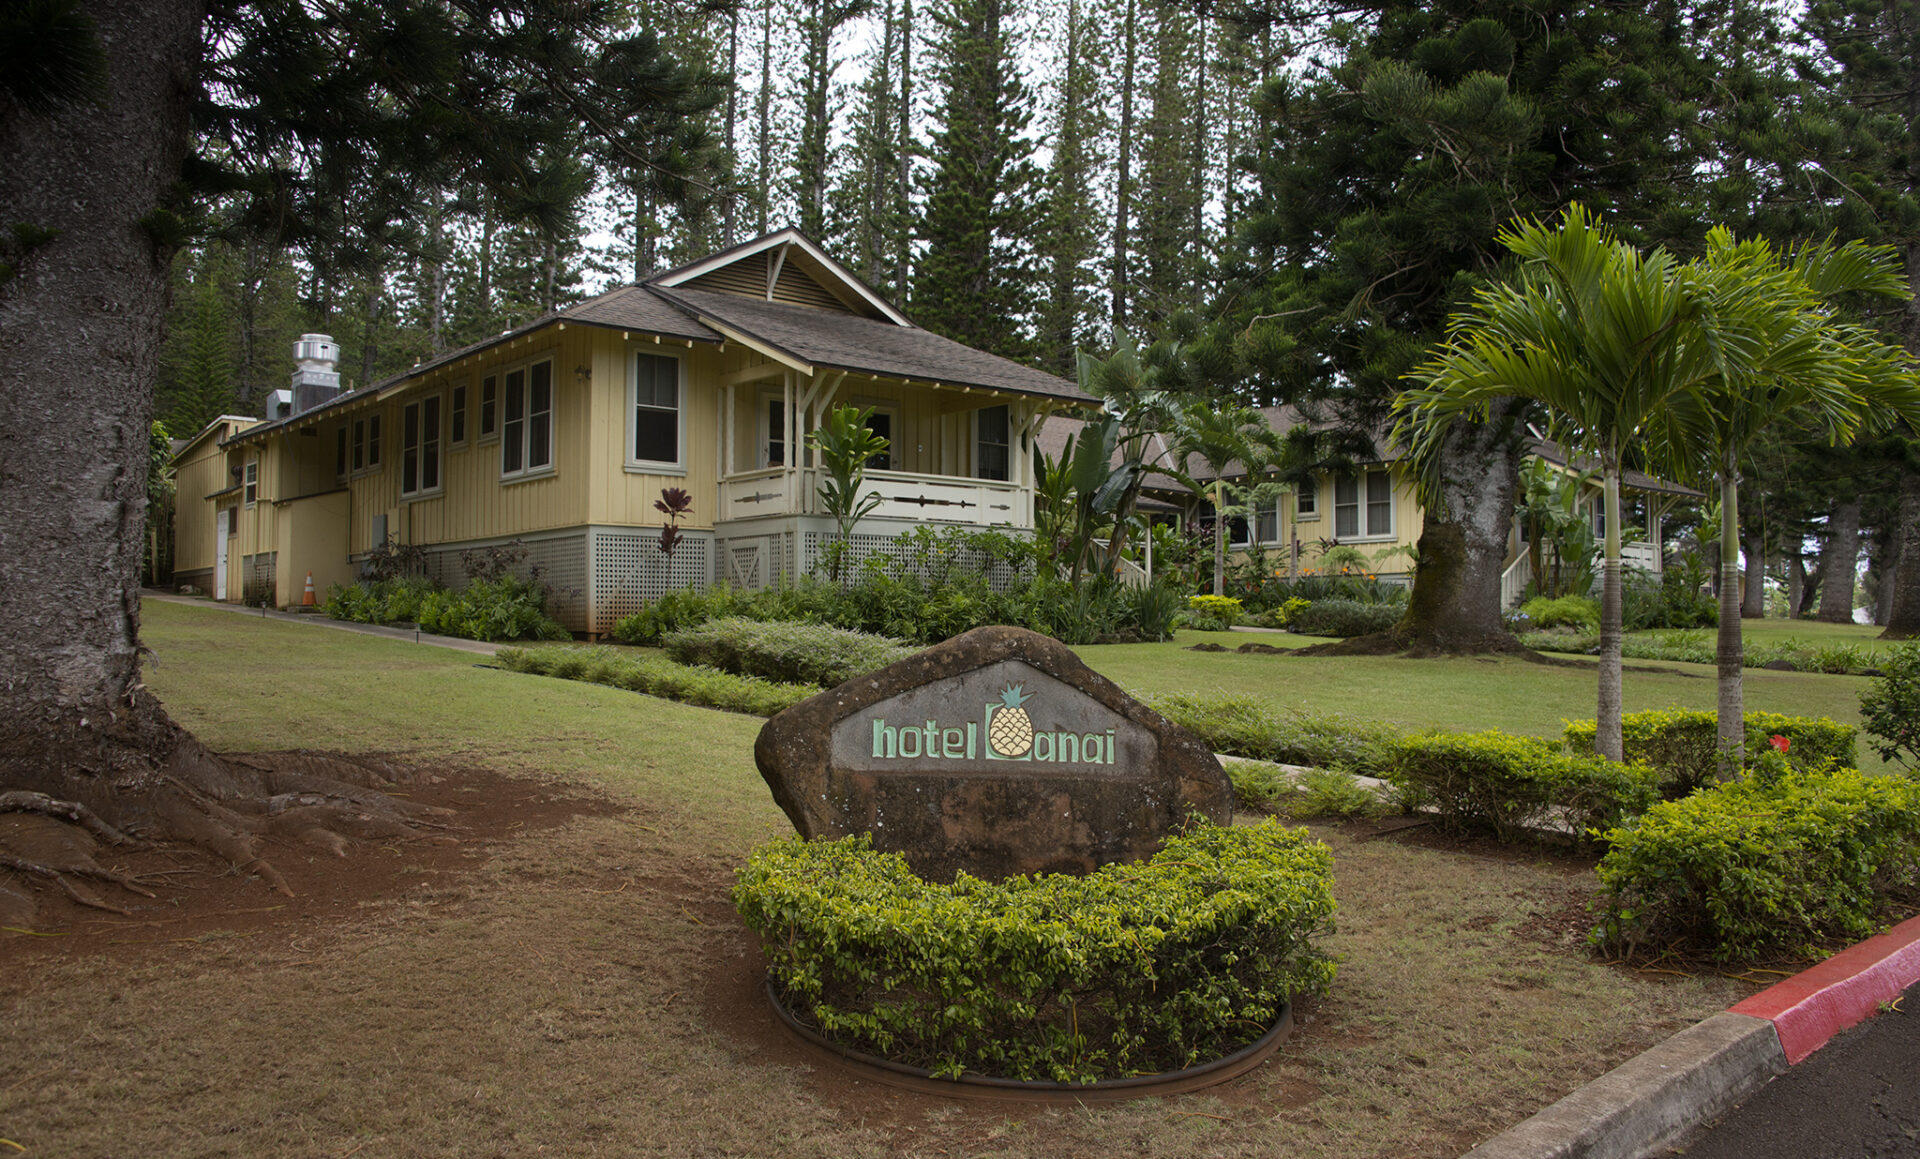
(316, 380)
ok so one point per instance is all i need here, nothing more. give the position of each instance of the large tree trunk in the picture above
(80, 330)
(1753, 599)
(1903, 617)
(1839, 560)
(1455, 606)
(80, 333)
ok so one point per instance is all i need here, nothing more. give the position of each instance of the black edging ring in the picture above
(972, 1086)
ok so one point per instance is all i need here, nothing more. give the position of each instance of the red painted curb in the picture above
(1814, 1005)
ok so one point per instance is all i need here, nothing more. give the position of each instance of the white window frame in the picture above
(1279, 523)
(363, 445)
(1306, 502)
(250, 482)
(1367, 504)
(678, 464)
(978, 443)
(763, 424)
(459, 400)
(1362, 506)
(524, 439)
(428, 438)
(486, 417)
(890, 408)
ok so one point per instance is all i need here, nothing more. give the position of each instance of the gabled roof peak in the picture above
(784, 251)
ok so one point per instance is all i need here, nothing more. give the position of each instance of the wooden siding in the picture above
(795, 286)
(474, 502)
(746, 277)
(196, 477)
(618, 495)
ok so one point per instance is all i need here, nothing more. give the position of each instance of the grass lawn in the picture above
(1470, 693)
(586, 991)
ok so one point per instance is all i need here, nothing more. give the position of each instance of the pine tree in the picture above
(1389, 173)
(1070, 235)
(974, 283)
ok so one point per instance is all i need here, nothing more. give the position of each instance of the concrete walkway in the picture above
(411, 635)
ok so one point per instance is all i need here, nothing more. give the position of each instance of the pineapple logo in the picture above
(1009, 728)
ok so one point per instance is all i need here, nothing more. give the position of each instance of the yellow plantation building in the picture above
(561, 434)
(1368, 504)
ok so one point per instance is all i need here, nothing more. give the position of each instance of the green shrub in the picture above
(1134, 968)
(1303, 795)
(657, 676)
(1506, 785)
(1283, 615)
(1890, 707)
(486, 609)
(1683, 745)
(1565, 612)
(1247, 727)
(1156, 606)
(785, 651)
(1200, 622)
(1215, 607)
(1749, 868)
(1345, 618)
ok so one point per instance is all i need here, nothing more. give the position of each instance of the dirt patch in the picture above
(198, 899)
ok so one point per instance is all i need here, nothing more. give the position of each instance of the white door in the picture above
(221, 520)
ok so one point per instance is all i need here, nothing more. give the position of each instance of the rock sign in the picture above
(997, 752)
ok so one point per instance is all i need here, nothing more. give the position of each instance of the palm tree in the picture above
(1219, 434)
(1136, 387)
(1602, 337)
(1802, 362)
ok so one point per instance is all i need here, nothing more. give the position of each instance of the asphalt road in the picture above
(1856, 1098)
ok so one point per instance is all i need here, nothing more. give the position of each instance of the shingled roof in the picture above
(823, 338)
(873, 339)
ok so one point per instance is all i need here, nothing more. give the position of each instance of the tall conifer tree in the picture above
(974, 283)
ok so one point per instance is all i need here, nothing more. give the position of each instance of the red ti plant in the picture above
(675, 504)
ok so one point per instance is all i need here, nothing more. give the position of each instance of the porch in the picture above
(955, 455)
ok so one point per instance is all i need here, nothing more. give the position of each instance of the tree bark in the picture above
(1219, 541)
(1753, 600)
(1607, 739)
(1839, 560)
(1455, 605)
(1728, 652)
(80, 336)
(1903, 618)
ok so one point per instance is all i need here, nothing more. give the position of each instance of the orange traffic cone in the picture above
(307, 600)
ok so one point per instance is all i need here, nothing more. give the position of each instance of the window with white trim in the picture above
(880, 422)
(420, 447)
(1266, 522)
(252, 481)
(1306, 501)
(526, 421)
(1365, 499)
(457, 418)
(992, 442)
(365, 444)
(489, 407)
(656, 417)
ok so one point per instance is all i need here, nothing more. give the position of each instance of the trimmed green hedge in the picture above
(1345, 618)
(1506, 785)
(1565, 612)
(1683, 745)
(1257, 730)
(785, 651)
(1749, 868)
(657, 676)
(1133, 969)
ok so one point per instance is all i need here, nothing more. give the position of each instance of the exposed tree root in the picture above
(23, 801)
(119, 794)
(1395, 642)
